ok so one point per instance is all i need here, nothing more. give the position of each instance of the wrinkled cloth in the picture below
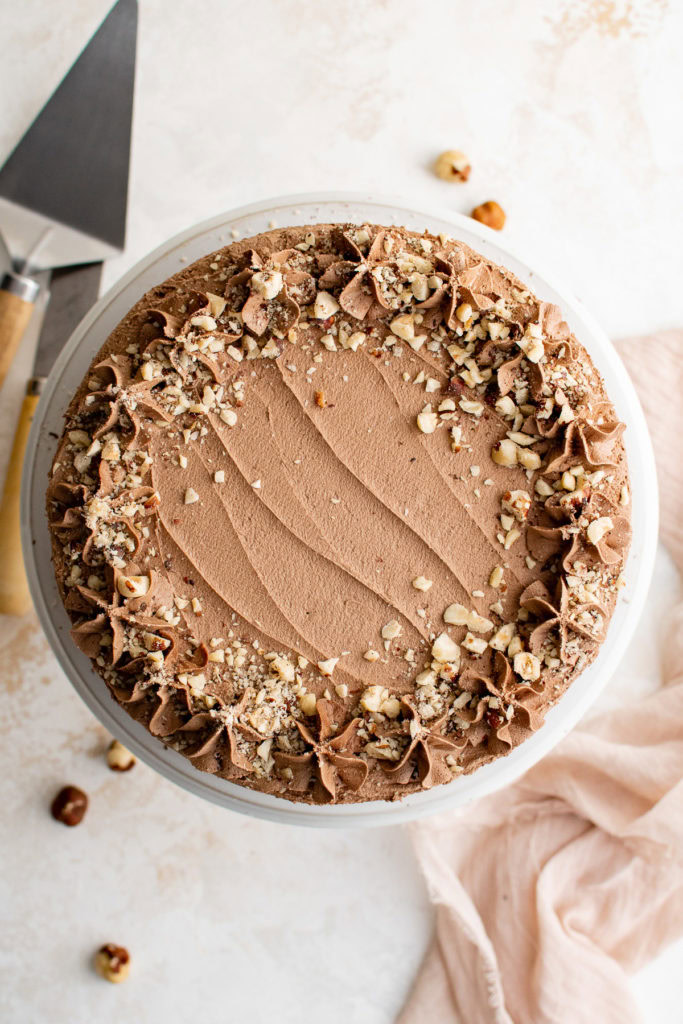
(550, 892)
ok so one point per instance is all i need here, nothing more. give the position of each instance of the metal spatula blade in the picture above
(70, 170)
(64, 189)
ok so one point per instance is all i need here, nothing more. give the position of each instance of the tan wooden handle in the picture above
(15, 598)
(15, 314)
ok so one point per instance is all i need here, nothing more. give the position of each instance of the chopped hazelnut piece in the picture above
(505, 453)
(526, 665)
(452, 165)
(354, 341)
(502, 637)
(391, 707)
(474, 644)
(426, 678)
(491, 214)
(371, 655)
(496, 577)
(515, 646)
(219, 476)
(470, 407)
(599, 528)
(111, 451)
(417, 342)
(531, 343)
(372, 697)
(511, 537)
(320, 399)
(566, 414)
(119, 758)
(325, 306)
(427, 421)
(267, 283)
(391, 630)
(284, 669)
(478, 624)
(403, 326)
(420, 287)
(132, 586)
(205, 323)
(543, 488)
(506, 407)
(216, 303)
(196, 681)
(528, 459)
(445, 649)
(422, 583)
(327, 667)
(517, 503)
(229, 416)
(191, 496)
(456, 615)
(307, 703)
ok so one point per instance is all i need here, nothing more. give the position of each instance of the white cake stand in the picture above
(70, 370)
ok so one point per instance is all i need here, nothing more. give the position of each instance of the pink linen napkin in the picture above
(551, 891)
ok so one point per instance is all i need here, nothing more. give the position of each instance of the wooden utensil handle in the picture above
(17, 296)
(15, 598)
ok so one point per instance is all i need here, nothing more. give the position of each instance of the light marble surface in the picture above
(570, 113)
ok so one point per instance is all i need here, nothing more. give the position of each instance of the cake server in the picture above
(63, 199)
(18, 292)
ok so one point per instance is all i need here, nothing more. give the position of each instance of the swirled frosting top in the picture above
(340, 511)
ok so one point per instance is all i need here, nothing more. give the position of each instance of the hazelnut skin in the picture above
(491, 214)
(69, 806)
(112, 963)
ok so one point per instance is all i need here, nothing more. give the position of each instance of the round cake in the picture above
(339, 512)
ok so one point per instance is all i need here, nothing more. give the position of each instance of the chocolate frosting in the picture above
(288, 531)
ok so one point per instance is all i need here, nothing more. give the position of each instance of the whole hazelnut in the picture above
(69, 806)
(119, 758)
(491, 214)
(452, 166)
(112, 963)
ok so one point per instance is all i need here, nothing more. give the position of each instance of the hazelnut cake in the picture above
(339, 512)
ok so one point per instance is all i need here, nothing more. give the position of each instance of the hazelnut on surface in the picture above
(112, 963)
(491, 214)
(69, 806)
(452, 165)
(119, 758)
